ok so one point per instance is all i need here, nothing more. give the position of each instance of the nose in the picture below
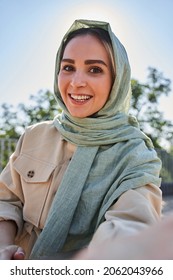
(78, 80)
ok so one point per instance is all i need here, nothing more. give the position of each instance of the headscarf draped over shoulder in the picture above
(113, 155)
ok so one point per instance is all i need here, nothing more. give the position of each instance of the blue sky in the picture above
(30, 33)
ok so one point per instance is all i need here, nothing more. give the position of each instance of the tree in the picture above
(8, 119)
(13, 121)
(145, 106)
(44, 107)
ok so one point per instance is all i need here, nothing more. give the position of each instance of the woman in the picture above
(90, 174)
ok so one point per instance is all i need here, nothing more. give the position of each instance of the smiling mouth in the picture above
(80, 98)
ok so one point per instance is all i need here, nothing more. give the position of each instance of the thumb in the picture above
(19, 254)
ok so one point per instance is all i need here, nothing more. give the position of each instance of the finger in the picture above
(19, 254)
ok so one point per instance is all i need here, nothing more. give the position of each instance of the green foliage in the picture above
(13, 121)
(7, 146)
(8, 119)
(171, 150)
(166, 175)
(145, 101)
(167, 163)
(43, 107)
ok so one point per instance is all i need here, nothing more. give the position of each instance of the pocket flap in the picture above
(33, 170)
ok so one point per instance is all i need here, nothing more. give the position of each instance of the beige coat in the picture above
(30, 181)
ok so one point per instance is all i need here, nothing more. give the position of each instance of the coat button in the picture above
(31, 173)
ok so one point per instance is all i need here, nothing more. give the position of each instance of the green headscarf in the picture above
(112, 156)
(103, 127)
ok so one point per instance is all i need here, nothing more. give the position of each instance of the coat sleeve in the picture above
(11, 195)
(135, 210)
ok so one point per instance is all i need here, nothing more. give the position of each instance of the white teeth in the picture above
(80, 97)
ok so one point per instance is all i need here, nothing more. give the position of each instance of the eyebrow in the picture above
(87, 62)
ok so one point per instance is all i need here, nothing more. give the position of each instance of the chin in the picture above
(78, 115)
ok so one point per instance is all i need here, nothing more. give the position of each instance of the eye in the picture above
(95, 70)
(68, 68)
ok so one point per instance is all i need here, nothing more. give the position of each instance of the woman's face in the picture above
(85, 77)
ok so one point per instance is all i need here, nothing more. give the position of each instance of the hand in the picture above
(11, 252)
(155, 242)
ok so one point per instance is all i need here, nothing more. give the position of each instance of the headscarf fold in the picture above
(113, 155)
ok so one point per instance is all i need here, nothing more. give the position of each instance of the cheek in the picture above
(59, 81)
(61, 84)
(104, 89)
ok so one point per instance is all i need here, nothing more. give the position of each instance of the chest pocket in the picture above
(35, 177)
